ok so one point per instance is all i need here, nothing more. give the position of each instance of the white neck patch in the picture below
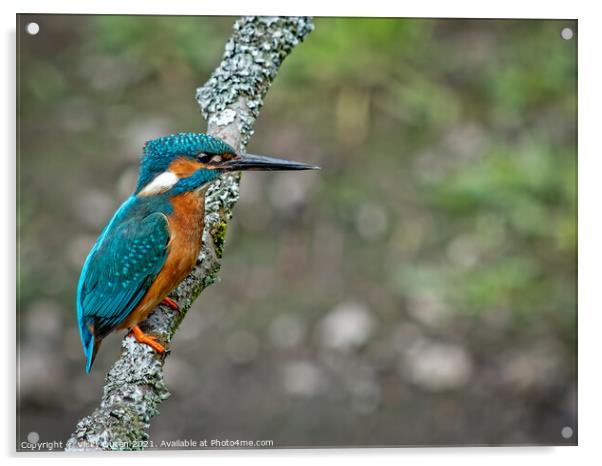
(160, 184)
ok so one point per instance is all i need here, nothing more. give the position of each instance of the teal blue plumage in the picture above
(158, 153)
(132, 248)
(120, 268)
(137, 244)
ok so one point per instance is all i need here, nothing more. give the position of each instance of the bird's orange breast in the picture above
(186, 231)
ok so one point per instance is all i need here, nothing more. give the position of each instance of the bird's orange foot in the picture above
(142, 337)
(171, 304)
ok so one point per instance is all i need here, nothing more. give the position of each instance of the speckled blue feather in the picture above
(121, 267)
(159, 153)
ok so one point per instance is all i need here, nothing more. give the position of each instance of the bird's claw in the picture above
(149, 340)
(170, 303)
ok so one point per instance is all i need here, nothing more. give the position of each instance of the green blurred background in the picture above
(419, 290)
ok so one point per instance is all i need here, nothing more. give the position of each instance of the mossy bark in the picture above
(230, 102)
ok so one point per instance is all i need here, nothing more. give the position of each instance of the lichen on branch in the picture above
(230, 101)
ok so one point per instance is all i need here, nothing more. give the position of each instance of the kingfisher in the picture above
(153, 240)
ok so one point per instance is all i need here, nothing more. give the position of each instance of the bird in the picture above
(154, 238)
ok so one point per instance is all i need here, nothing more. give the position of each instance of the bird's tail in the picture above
(91, 351)
(90, 343)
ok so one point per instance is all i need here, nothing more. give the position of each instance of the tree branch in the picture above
(230, 102)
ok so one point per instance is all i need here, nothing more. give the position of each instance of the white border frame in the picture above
(590, 230)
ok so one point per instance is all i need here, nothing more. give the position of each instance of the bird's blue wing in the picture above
(117, 273)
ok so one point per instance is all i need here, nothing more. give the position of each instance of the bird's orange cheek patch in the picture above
(184, 167)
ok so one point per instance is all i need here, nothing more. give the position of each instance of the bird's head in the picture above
(188, 161)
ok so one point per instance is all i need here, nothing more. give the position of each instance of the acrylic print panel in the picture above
(418, 290)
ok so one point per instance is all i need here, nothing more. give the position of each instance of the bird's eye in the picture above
(204, 158)
(209, 158)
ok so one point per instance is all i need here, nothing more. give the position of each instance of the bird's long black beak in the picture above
(262, 162)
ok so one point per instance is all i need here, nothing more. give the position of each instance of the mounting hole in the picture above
(566, 432)
(566, 33)
(32, 28)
